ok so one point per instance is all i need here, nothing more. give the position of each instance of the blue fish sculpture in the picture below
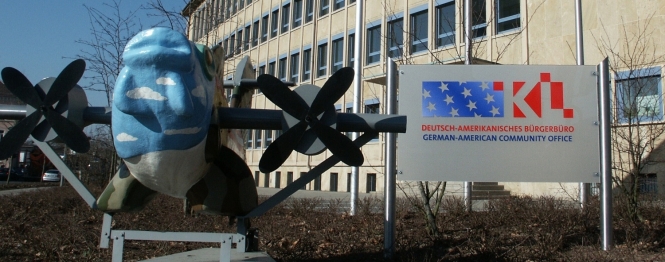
(164, 129)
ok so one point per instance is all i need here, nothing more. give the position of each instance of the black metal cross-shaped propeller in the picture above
(309, 120)
(68, 131)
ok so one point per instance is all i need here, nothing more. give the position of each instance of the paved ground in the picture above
(325, 195)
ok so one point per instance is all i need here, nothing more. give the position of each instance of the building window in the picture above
(248, 136)
(271, 68)
(306, 64)
(302, 174)
(239, 45)
(295, 72)
(232, 44)
(268, 138)
(264, 29)
(639, 94)
(228, 9)
(373, 108)
(256, 177)
(350, 47)
(338, 4)
(395, 38)
(333, 182)
(317, 183)
(266, 179)
(648, 184)
(274, 23)
(373, 44)
(262, 70)
(508, 15)
(278, 178)
(282, 69)
(337, 54)
(246, 41)
(225, 45)
(371, 183)
(241, 4)
(418, 32)
(324, 7)
(322, 60)
(257, 138)
(255, 33)
(289, 178)
(309, 11)
(348, 182)
(285, 18)
(445, 24)
(297, 13)
(479, 20)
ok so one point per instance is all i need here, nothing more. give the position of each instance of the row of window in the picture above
(297, 67)
(261, 139)
(214, 12)
(269, 26)
(370, 181)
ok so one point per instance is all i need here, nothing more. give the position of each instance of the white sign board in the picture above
(503, 123)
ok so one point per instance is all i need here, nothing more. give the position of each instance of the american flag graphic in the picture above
(462, 99)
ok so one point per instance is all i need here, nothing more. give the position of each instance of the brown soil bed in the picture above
(56, 225)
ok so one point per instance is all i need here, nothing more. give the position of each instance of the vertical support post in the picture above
(118, 247)
(64, 159)
(468, 33)
(391, 165)
(106, 231)
(357, 95)
(225, 249)
(605, 156)
(585, 188)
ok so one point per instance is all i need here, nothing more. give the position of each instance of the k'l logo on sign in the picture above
(533, 98)
(486, 98)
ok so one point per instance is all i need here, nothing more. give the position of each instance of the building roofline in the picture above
(190, 7)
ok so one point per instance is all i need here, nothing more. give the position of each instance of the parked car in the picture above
(14, 175)
(51, 175)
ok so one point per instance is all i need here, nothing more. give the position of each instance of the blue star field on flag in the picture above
(462, 99)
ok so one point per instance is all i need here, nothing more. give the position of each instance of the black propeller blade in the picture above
(339, 144)
(21, 87)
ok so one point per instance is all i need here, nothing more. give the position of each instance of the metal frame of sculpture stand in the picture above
(226, 240)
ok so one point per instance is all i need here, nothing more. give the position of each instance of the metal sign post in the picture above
(579, 39)
(391, 165)
(357, 95)
(605, 156)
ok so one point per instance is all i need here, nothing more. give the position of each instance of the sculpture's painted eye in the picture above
(207, 61)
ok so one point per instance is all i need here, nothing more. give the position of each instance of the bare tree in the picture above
(637, 126)
(173, 19)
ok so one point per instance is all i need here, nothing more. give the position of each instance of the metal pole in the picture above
(468, 33)
(64, 159)
(391, 165)
(357, 95)
(605, 156)
(468, 203)
(585, 188)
